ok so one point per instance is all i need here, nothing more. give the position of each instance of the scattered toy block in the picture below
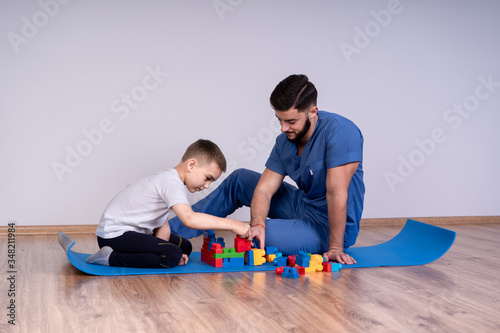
(302, 259)
(327, 267)
(271, 249)
(336, 266)
(281, 261)
(301, 270)
(310, 267)
(291, 260)
(270, 257)
(290, 273)
(317, 262)
(279, 270)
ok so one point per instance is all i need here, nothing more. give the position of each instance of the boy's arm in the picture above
(202, 221)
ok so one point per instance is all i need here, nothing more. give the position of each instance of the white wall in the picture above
(400, 70)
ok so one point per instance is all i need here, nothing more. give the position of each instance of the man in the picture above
(321, 152)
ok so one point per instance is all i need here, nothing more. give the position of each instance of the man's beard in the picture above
(302, 132)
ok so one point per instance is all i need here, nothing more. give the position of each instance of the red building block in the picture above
(242, 245)
(327, 267)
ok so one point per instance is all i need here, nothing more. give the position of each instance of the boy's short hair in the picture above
(206, 152)
(296, 91)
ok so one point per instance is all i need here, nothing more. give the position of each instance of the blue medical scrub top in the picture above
(336, 141)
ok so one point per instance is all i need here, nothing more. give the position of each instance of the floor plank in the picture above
(459, 292)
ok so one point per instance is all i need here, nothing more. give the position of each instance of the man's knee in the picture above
(245, 177)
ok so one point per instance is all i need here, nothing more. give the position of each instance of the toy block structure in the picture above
(214, 253)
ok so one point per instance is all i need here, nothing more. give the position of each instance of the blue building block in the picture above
(220, 240)
(271, 249)
(302, 259)
(249, 256)
(236, 262)
(290, 273)
(209, 233)
(281, 261)
(336, 267)
(225, 262)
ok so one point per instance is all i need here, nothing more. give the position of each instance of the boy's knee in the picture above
(171, 256)
(186, 246)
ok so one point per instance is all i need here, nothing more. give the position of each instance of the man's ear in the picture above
(313, 112)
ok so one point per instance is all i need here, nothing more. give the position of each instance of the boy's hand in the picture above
(257, 231)
(241, 228)
(184, 260)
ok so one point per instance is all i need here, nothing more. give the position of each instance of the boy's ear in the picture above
(191, 163)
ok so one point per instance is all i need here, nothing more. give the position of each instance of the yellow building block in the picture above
(316, 262)
(258, 257)
(270, 257)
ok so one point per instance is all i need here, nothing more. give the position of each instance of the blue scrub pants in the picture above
(292, 225)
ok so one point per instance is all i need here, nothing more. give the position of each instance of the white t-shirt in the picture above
(143, 205)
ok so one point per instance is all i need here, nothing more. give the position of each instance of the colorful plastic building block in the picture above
(229, 253)
(258, 257)
(327, 267)
(317, 262)
(271, 250)
(235, 262)
(270, 257)
(242, 245)
(290, 273)
(336, 266)
(301, 270)
(302, 259)
(281, 261)
(291, 261)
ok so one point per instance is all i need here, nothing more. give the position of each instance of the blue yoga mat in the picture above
(416, 244)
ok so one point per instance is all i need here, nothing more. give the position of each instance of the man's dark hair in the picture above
(294, 92)
(206, 152)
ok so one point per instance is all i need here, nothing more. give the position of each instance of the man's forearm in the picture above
(337, 216)
(259, 208)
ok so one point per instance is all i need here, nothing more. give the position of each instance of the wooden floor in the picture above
(459, 292)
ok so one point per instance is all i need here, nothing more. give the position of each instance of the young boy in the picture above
(126, 232)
